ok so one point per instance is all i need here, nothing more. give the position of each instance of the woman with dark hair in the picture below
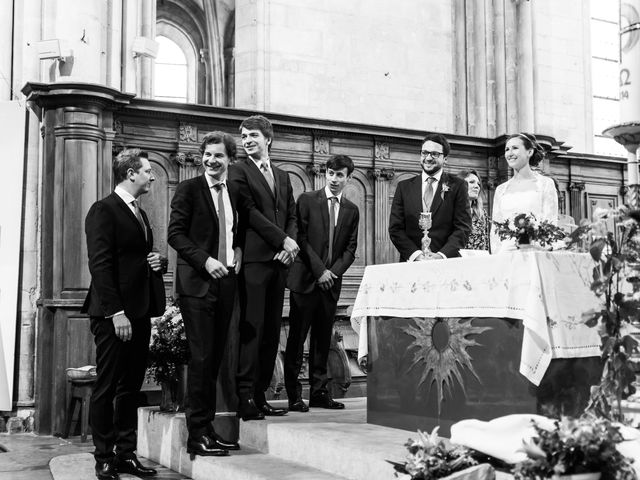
(527, 191)
(479, 236)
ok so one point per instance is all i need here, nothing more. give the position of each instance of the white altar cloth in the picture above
(548, 291)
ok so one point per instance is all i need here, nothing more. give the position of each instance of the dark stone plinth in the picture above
(429, 372)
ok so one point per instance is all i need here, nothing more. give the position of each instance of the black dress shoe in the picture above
(325, 401)
(222, 443)
(206, 447)
(106, 471)
(247, 410)
(271, 411)
(298, 406)
(134, 467)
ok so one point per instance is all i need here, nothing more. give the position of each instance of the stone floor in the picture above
(28, 456)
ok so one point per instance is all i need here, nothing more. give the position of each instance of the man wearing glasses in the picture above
(435, 191)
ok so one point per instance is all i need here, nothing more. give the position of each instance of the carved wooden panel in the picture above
(156, 204)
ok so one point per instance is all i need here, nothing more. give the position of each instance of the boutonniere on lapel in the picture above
(445, 189)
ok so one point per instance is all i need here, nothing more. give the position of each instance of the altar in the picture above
(477, 337)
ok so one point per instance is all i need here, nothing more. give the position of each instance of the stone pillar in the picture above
(633, 194)
(476, 50)
(6, 33)
(252, 54)
(216, 62)
(147, 29)
(576, 201)
(382, 172)
(77, 126)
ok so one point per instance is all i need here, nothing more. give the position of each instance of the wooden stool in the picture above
(80, 392)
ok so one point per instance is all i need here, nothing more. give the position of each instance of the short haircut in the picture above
(220, 137)
(437, 138)
(259, 122)
(129, 158)
(338, 162)
(530, 142)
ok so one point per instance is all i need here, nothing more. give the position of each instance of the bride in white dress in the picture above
(526, 192)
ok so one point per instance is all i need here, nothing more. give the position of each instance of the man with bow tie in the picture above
(203, 229)
(126, 290)
(267, 209)
(328, 236)
(433, 190)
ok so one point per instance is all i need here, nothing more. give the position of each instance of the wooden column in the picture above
(382, 172)
(576, 201)
(77, 126)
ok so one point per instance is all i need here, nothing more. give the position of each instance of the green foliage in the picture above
(168, 348)
(431, 457)
(575, 446)
(616, 279)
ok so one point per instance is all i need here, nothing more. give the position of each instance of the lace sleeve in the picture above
(549, 200)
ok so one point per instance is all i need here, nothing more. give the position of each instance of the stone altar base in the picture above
(428, 372)
(318, 445)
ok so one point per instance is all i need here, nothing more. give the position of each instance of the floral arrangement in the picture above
(168, 349)
(526, 229)
(616, 279)
(430, 458)
(575, 446)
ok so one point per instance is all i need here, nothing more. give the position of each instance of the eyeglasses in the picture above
(434, 155)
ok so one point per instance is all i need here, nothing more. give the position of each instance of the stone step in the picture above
(315, 445)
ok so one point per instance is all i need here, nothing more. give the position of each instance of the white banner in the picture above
(12, 124)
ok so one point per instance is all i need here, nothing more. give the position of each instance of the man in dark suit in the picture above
(126, 290)
(203, 230)
(268, 210)
(435, 191)
(328, 237)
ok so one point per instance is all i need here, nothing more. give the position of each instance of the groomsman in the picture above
(203, 230)
(126, 290)
(328, 236)
(436, 191)
(268, 209)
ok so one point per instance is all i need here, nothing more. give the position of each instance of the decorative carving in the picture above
(561, 202)
(576, 186)
(321, 145)
(187, 159)
(624, 189)
(316, 169)
(117, 126)
(381, 151)
(381, 173)
(490, 184)
(188, 133)
(493, 163)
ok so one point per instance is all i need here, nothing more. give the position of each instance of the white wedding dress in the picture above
(541, 201)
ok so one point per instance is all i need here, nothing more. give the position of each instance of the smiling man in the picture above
(328, 237)
(435, 191)
(203, 229)
(268, 211)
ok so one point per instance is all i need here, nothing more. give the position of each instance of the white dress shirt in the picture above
(328, 193)
(434, 184)
(228, 216)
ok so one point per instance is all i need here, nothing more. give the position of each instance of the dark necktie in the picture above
(428, 194)
(268, 176)
(332, 226)
(136, 209)
(222, 225)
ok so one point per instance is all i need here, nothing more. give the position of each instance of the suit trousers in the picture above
(121, 366)
(315, 311)
(206, 322)
(261, 298)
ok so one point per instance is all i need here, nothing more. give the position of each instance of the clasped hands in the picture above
(157, 262)
(428, 256)
(288, 253)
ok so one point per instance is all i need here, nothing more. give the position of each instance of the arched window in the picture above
(171, 72)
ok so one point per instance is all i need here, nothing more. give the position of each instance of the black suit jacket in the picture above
(451, 216)
(193, 233)
(121, 278)
(313, 239)
(266, 219)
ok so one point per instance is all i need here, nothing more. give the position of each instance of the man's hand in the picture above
(290, 246)
(122, 327)
(284, 257)
(326, 280)
(434, 256)
(237, 259)
(156, 261)
(215, 268)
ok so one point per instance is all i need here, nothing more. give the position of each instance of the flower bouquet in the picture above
(575, 446)
(431, 458)
(526, 230)
(168, 355)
